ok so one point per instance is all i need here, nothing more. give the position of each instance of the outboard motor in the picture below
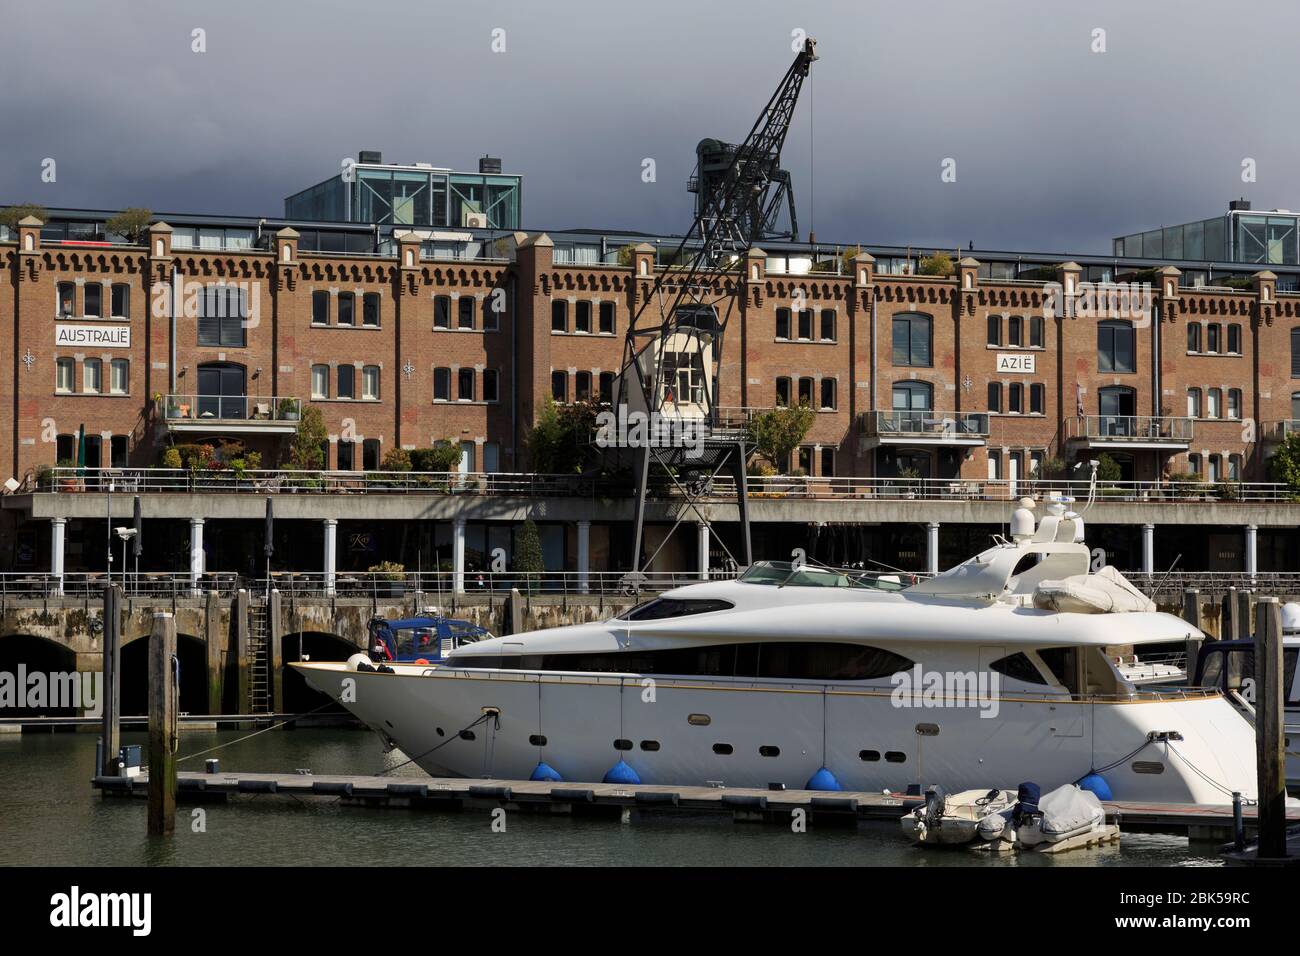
(1027, 795)
(935, 800)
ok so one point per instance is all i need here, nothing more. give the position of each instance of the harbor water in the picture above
(49, 815)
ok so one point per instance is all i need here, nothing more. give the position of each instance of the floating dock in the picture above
(1196, 821)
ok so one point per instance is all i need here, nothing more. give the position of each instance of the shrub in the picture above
(939, 264)
(1285, 463)
(396, 459)
(307, 449)
(443, 456)
(1108, 468)
(560, 440)
(12, 214)
(389, 570)
(171, 458)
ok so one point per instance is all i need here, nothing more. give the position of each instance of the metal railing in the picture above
(434, 586)
(1160, 428)
(1277, 431)
(908, 423)
(225, 480)
(230, 408)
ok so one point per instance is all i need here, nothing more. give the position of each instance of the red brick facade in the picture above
(415, 325)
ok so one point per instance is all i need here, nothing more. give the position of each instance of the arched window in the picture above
(1116, 347)
(913, 396)
(222, 390)
(913, 339)
(1118, 406)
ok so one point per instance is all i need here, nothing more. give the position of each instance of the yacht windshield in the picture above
(661, 607)
(785, 573)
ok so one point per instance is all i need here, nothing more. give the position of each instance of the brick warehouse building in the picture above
(428, 337)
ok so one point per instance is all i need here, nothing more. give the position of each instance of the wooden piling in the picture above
(275, 650)
(243, 660)
(164, 708)
(1270, 749)
(1243, 630)
(112, 690)
(1192, 615)
(1230, 629)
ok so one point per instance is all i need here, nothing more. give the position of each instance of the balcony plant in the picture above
(910, 480)
(390, 578)
(776, 432)
(43, 476)
(67, 482)
(287, 410)
(1284, 466)
(170, 458)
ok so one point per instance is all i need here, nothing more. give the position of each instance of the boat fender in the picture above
(823, 779)
(1096, 784)
(544, 771)
(621, 773)
(994, 826)
(359, 662)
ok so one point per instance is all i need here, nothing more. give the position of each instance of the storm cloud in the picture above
(1057, 147)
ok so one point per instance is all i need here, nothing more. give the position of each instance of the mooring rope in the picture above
(495, 714)
(231, 743)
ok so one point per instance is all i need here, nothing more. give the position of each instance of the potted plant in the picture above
(390, 578)
(43, 476)
(66, 482)
(911, 479)
(287, 410)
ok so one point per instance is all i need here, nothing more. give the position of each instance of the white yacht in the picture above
(1018, 664)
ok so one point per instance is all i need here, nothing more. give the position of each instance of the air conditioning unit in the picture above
(473, 220)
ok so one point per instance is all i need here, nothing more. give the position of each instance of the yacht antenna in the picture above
(1168, 573)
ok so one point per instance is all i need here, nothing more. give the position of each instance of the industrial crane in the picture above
(672, 353)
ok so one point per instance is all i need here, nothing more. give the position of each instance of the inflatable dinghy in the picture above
(955, 818)
(1106, 592)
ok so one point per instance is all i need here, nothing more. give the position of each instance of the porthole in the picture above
(767, 750)
(927, 730)
(869, 756)
(699, 720)
(895, 756)
(1148, 766)
(651, 745)
(441, 732)
(622, 744)
(467, 735)
(537, 740)
(723, 750)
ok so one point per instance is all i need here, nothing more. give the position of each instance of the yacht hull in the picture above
(748, 733)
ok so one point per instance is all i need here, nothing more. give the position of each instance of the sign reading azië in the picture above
(105, 336)
(1013, 362)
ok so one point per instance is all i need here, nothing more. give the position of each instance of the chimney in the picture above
(489, 164)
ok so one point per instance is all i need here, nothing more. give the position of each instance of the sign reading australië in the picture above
(104, 336)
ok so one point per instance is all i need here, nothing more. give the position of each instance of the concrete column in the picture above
(331, 554)
(57, 528)
(196, 553)
(932, 547)
(584, 556)
(458, 555)
(1252, 551)
(1148, 549)
(702, 545)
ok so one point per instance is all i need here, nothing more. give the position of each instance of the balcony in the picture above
(1130, 432)
(232, 414)
(1277, 431)
(925, 427)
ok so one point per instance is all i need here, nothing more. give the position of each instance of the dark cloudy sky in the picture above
(1057, 148)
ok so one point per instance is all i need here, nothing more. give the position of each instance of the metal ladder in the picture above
(259, 660)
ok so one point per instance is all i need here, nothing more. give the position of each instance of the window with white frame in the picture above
(119, 376)
(320, 381)
(370, 383)
(64, 374)
(92, 376)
